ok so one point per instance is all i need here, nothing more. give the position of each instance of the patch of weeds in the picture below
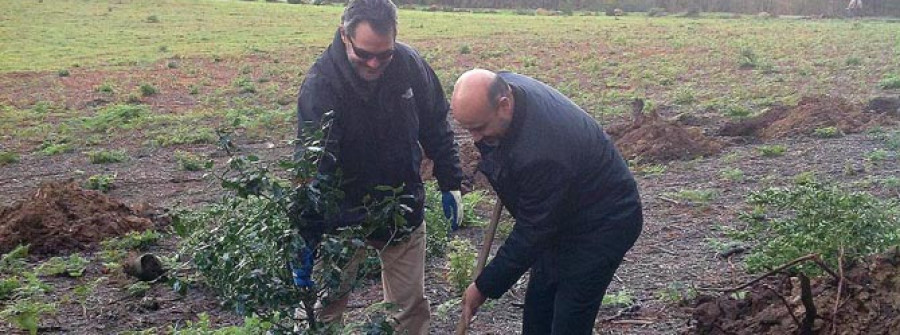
(163, 48)
(736, 111)
(63, 73)
(733, 174)
(891, 140)
(132, 241)
(106, 88)
(787, 223)
(747, 59)
(471, 201)
(244, 85)
(620, 298)
(133, 98)
(14, 261)
(53, 146)
(107, 156)
(465, 49)
(891, 183)
(193, 89)
(695, 196)
(138, 289)
(116, 116)
(436, 239)
(878, 155)
(172, 64)
(100, 182)
(677, 293)
(731, 157)
(461, 263)
(805, 178)
(8, 157)
(8, 286)
(152, 19)
(853, 61)
(72, 266)
(192, 162)
(185, 135)
(774, 150)
(148, 90)
(828, 132)
(684, 96)
(529, 61)
(890, 82)
(26, 313)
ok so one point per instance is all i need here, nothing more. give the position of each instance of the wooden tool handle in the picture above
(463, 326)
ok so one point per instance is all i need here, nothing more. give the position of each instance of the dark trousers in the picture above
(568, 281)
(564, 306)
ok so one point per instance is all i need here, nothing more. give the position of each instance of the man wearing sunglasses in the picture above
(386, 108)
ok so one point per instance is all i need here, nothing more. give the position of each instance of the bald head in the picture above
(481, 103)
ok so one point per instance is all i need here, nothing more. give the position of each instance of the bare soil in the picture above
(650, 138)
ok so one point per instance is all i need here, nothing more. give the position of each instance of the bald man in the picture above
(575, 203)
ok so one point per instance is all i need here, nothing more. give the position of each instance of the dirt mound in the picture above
(61, 217)
(650, 138)
(811, 113)
(869, 303)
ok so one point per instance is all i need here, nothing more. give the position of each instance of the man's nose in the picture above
(373, 62)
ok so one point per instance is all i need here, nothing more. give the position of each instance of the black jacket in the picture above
(575, 202)
(377, 128)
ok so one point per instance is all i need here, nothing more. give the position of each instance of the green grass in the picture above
(107, 156)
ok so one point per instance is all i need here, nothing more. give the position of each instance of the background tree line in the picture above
(776, 7)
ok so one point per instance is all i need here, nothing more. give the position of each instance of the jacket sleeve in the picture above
(435, 133)
(543, 186)
(315, 101)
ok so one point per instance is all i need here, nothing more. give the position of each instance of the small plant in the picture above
(620, 298)
(890, 82)
(676, 293)
(828, 132)
(138, 289)
(853, 61)
(72, 266)
(193, 89)
(192, 162)
(878, 155)
(107, 156)
(244, 85)
(26, 314)
(8, 286)
(152, 19)
(117, 116)
(148, 90)
(132, 241)
(63, 73)
(14, 261)
(684, 96)
(172, 64)
(8, 157)
(52, 147)
(736, 111)
(106, 88)
(774, 150)
(470, 202)
(813, 217)
(465, 49)
(461, 263)
(100, 182)
(733, 175)
(748, 59)
(651, 169)
(184, 135)
(436, 239)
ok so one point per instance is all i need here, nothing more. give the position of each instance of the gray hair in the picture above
(380, 14)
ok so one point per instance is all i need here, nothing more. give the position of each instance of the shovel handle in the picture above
(463, 326)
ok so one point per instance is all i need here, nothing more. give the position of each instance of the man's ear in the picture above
(504, 107)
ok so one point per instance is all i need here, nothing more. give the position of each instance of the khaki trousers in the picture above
(403, 280)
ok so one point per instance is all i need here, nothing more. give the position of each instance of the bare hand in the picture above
(472, 299)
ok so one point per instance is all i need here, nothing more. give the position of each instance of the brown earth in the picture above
(61, 218)
(869, 303)
(811, 113)
(650, 138)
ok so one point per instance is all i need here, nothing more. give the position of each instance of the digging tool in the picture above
(463, 326)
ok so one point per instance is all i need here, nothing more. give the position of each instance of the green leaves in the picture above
(816, 218)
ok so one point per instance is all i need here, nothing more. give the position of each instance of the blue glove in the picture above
(303, 273)
(452, 201)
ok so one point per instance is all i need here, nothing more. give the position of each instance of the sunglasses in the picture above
(365, 55)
